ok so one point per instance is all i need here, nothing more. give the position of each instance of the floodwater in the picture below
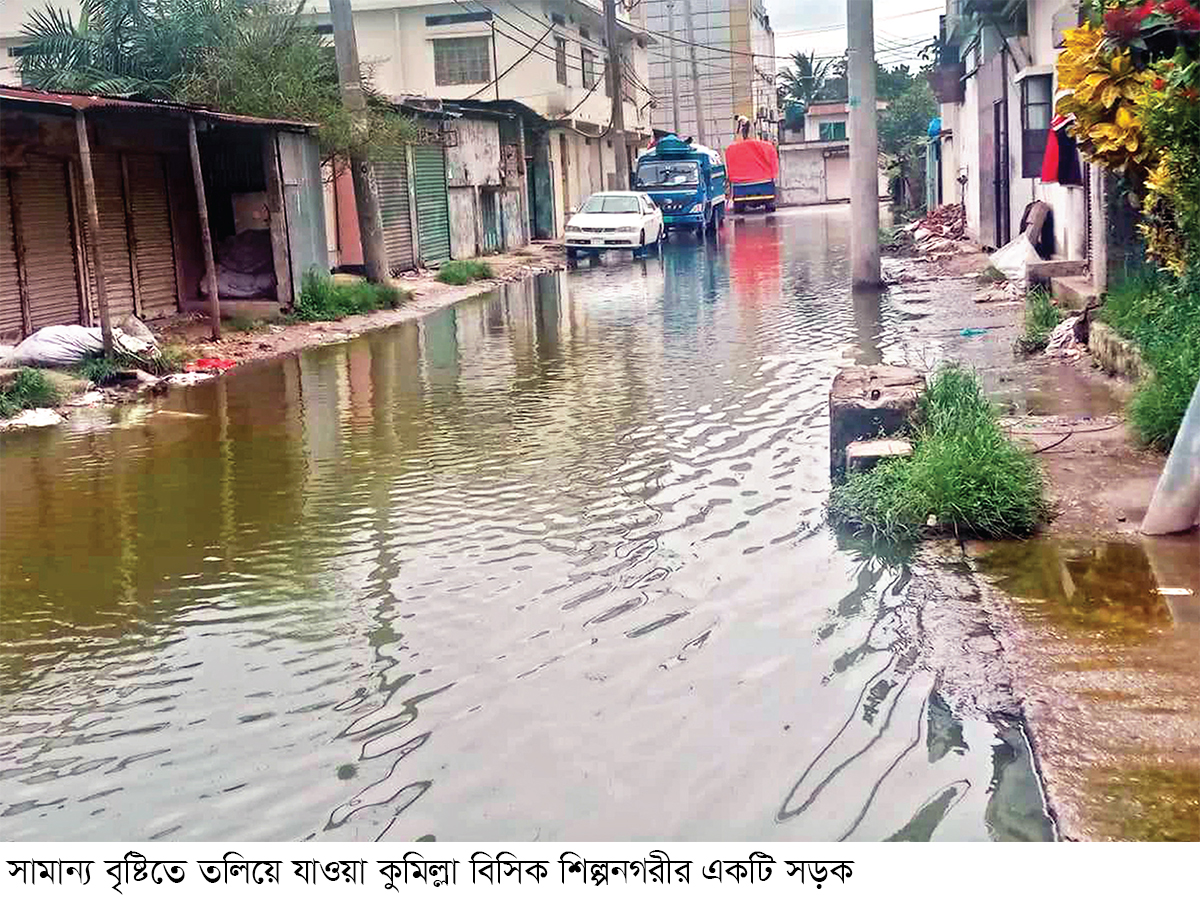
(547, 565)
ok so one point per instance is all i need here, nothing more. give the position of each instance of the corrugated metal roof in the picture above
(95, 102)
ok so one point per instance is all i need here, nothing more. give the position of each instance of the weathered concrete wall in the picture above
(1115, 355)
(801, 175)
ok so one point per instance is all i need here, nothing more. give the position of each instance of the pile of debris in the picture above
(941, 233)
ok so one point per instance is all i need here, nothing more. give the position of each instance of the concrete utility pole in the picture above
(618, 111)
(370, 222)
(674, 74)
(691, 36)
(864, 144)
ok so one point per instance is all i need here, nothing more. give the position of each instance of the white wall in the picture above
(967, 139)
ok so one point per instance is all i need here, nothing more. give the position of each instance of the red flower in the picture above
(1186, 16)
(1159, 84)
(1126, 23)
(1190, 93)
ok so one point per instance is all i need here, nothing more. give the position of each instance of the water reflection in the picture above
(549, 564)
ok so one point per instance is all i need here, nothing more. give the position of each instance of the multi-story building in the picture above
(734, 51)
(543, 60)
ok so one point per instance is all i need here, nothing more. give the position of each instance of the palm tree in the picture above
(801, 83)
(122, 47)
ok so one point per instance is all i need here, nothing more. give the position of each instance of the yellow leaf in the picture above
(1131, 142)
(1126, 118)
(1111, 93)
(1120, 63)
(1131, 91)
(1095, 80)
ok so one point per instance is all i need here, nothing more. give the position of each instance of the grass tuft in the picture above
(99, 369)
(29, 388)
(1162, 316)
(1041, 318)
(964, 471)
(322, 299)
(464, 272)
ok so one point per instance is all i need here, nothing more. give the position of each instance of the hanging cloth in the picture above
(1061, 163)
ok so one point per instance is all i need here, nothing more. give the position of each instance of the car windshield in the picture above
(611, 204)
(668, 173)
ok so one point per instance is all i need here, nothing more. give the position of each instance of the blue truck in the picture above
(686, 181)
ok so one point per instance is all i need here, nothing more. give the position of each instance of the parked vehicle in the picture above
(615, 220)
(686, 181)
(753, 167)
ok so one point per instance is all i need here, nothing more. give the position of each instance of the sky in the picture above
(820, 25)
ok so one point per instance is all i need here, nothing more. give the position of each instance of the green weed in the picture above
(29, 388)
(464, 272)
(1041, 317)
(1162, 316)
(322, 299)
(964, 471)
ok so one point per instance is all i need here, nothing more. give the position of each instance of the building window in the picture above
(458, 18)
(833, 130)
(560, 59)
(461, 61)
(588, 61)
(1036, 106)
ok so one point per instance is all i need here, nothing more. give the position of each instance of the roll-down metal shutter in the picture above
(43, 193)
(114, 240)
(433, 212)
(391, 179)
(10, 288)
(152, 235)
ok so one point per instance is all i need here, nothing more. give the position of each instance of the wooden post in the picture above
(19, 248)
(279, 243)
(214, 298)
(131, 237)
(93, 220)
(83, 281)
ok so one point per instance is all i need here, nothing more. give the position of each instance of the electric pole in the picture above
(370, 222)
(864, 144)
(691, 33)
(674, 74)
(618, 85)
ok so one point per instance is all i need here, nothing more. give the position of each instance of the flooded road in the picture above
(547, 565)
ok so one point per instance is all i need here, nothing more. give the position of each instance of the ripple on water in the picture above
(547, 564)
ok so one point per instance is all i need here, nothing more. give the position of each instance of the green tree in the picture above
(905, 123)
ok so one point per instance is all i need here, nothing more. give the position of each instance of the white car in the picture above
(615, 220)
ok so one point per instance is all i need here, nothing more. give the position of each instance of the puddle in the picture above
(1058, 388)
(1089, 586)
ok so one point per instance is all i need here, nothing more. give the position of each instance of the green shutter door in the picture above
(433, 212)
(391, 182)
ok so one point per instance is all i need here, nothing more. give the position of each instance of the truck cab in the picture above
(686, 181)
